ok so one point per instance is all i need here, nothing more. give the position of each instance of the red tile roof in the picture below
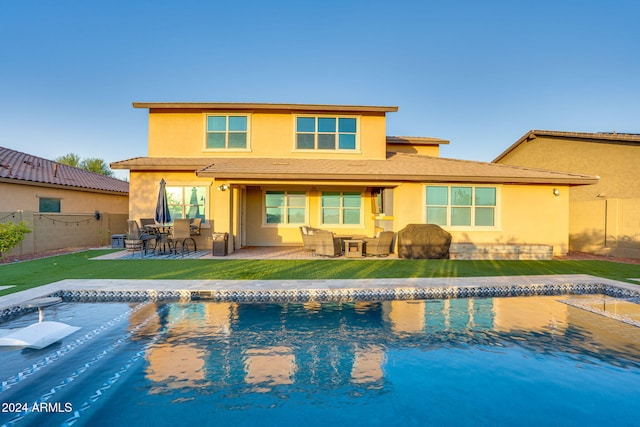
(17, 166)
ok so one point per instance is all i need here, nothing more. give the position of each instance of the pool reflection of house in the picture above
(260, 171)
(212, 345)
(201, 349)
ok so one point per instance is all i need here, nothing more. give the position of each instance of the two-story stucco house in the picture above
(260, 171)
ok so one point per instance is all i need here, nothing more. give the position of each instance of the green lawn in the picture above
(28, 274)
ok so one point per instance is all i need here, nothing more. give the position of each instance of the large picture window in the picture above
(461, 206)
(285, 207)
(341, 208)
(187, 202)
(227, 132)
(326, 133)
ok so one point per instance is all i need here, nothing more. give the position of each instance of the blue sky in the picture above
(478, 73)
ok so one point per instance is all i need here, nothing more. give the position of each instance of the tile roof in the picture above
(398, 167)
(603, 137)
(17, 166)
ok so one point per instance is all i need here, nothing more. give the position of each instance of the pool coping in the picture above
(106, 290)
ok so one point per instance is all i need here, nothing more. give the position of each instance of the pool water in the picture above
(493, 361)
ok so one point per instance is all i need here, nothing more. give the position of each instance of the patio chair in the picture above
(136, 234)
(327, 244)
(181, 233)
(379, 246)
(308, 238)
(145, 223)
(194, 226)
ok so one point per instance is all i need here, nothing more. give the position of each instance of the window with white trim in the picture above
(341, 208)
(326, 133)
(187, 201)
(227, 132)
(461, 206)
(285, 207)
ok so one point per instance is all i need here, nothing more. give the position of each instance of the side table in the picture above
(353, 248)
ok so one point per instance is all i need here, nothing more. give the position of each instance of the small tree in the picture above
(96, 165)
(11, 234)
(90, 164)
(70, 159)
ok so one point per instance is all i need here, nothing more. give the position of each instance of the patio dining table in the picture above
(162, 232)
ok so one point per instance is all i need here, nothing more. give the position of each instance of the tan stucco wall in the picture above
(180, 134)
(609, 227)
(259, 234)
(144, 187)
(528, 214)
(604, 217)
(51, 231)
(615, 164)
(26, 197)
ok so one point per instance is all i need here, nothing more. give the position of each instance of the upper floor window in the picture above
(227, 132)
(326, 133)
(461, 206)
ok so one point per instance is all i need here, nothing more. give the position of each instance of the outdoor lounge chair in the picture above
(181, 233)
(308, 237)
(379, 246)
(327, 244)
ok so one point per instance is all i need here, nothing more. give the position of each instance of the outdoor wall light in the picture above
(556, 192)
(223, 187)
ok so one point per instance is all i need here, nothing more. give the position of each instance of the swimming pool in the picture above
(542, 360)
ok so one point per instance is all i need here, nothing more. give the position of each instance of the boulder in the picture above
(423, 241)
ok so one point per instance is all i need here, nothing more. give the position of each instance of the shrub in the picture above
(11, 234)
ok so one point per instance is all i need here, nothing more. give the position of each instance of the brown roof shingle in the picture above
(395, 168)
(18, 166)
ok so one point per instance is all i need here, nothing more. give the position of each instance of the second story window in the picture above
(227, 132)
(326, 133)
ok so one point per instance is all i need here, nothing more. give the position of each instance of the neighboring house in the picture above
(605, 217)
(51, 197)
(260, 171)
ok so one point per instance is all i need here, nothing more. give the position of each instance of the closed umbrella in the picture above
(163, 216)
(194, 208)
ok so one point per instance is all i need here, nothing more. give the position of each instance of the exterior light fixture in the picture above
(223, 187)
(556, 192)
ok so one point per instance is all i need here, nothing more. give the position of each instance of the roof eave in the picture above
(18, 181)
(262, 106)
(395, 178)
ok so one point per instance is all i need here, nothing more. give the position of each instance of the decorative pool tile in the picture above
(329, 294)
